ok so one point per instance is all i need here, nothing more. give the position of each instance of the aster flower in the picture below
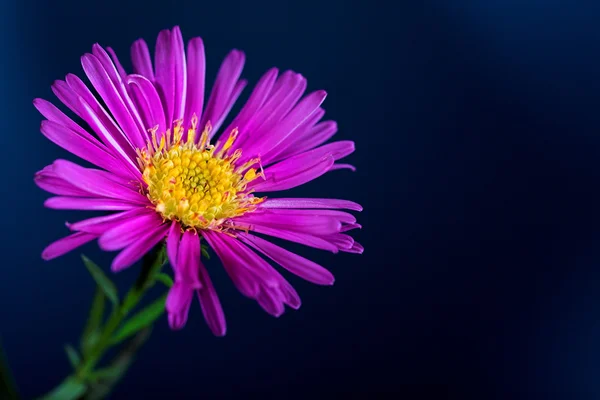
(163, 177)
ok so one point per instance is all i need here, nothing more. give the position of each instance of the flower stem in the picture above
(84, 374)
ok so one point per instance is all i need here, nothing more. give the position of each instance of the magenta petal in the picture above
(178, 304)
(173, 243)
(128, 231)
(235, 94)
(271, 302)
(349, 227)
(210, 304)
(224, 86)
(47, 180)
(255, 101)
(298, 237)
(294, 222)
(340, 240)
(343, 166)
(242, 258)
(66, 244)
(294, 263)
(140, 58)
(180, 74)
(99, 225)
(273, 290)
(88, 107)
(303, 139)
(242, 278)
(196, 71)
(292, 172)
(338, 150)
(188, 260)
(148, 102)
(165, 73)
(78, 203)
(96, 183)
(310, 203)
(117, 63)
(53, 114)
(269, 142)
(88, 150)
(312, 138)
(113, 97)
(138, 249)
(285, 93)
(356, 248)
(338, 215)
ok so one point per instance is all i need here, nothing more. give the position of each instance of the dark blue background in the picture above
(477, 127)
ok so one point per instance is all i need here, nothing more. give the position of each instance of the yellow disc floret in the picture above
(192, 182)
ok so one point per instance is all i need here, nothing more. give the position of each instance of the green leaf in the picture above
(73, 356)
(141, 320)
(204, 250)
(165, 279)
(91, 332)
(70, 389)
(102, 280)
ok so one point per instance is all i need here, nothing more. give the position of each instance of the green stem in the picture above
(151, 266)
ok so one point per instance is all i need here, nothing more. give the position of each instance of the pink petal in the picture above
(138, 249)
(173, 243)
(117, 63)
(298, 237)
(180, 77)
(165, 73)
(310, 203)
(297, 265)
(148, 102)
(128, 231)
(78, 203)
(210, 304)
(196, 70)
(89, 150)
(178, 304)
(268, 142)
(115, 99)
(255, 102)
(224, 86)
(140, 58)
(292, 172)
(96, 183)
(188, 260)
(99, 225)
(66, 244)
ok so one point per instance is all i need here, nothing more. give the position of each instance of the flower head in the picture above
(163, 177)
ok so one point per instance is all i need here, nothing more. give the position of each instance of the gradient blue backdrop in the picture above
(477, 127)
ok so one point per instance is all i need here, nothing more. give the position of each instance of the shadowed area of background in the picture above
(478, 155)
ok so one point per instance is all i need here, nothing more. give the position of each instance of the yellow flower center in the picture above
(192, 182)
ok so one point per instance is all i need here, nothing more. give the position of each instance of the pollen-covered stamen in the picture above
(191, 183)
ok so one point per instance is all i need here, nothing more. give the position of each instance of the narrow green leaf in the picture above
(91, 332)
(141, 320)
(73, 356)
(70, 389)
(102, 280)
(165, 279)
(204, 250)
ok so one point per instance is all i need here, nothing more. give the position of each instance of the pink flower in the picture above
(163, 179)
